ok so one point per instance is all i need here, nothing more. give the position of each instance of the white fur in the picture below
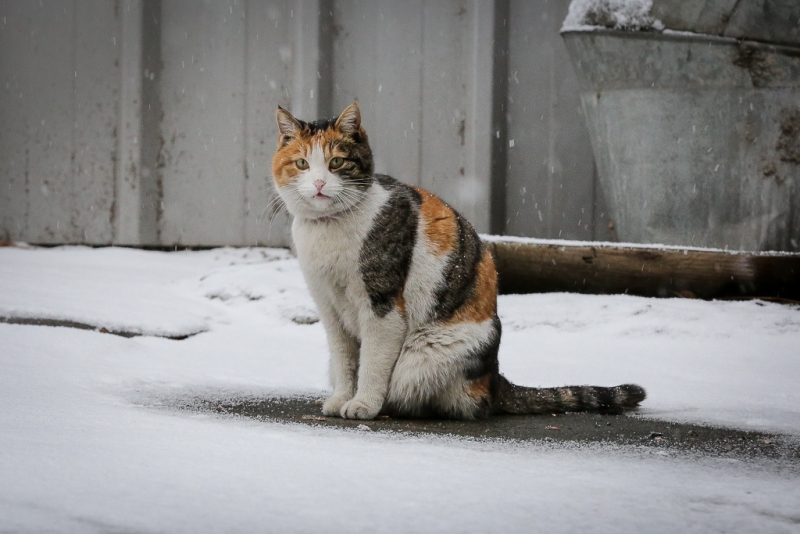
(328, 250)
(424, 374)
(405, 361)
(425, 275)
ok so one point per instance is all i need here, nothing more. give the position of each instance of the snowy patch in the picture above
(632, 15)
(616, 244)
(84, 449)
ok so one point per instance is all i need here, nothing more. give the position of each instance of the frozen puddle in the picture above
(628, 429)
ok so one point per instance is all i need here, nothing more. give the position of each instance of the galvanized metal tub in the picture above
(696, 137)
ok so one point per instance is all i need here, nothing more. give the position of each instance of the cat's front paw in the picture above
(356, 409)
(333, 406)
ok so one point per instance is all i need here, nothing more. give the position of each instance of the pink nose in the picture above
(319, 184)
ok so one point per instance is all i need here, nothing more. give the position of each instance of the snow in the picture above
(89, 441)
(633, 15)
(617, 244)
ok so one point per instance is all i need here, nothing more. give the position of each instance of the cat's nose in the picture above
(319, 184)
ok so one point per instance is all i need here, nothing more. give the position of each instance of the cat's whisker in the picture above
(281, 207)
(350, 210)
(275, 200)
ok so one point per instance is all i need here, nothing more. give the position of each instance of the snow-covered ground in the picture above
(84, 449)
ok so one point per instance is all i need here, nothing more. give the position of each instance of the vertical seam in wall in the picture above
(158, 172)
(325, 59)
(245, 123)
(551, 150)
(499, 103)
(74, 148)
(115, 156)
(475, 112)
(298, 51)
(421, 126)
(150, 137)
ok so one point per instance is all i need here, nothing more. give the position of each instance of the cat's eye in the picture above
(336, 162)
(301, 164)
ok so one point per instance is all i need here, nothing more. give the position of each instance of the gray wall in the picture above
(152, 121)
(550, 182)
(60, 87)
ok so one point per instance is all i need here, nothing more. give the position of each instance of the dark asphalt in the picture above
(628, 429)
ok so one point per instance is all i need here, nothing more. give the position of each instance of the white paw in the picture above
(356, 409)
(333, 406)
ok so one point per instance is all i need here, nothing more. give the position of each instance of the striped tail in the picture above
(513, 399)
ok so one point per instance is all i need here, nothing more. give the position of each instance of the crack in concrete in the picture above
(38, 321)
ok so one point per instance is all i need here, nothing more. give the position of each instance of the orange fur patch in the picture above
(479, 388)
(440, 223)
(400, 304)
(284, 170)
(483, 304)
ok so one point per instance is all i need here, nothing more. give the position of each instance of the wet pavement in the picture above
(627, 429)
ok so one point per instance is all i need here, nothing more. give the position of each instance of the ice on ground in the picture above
(82, 447)
(631, 15)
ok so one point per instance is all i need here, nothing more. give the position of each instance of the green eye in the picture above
(336, 163)
(301, 164)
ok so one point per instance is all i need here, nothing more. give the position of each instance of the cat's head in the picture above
(322, 168)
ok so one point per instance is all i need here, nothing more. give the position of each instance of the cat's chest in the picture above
(328, 254)
(329, 251)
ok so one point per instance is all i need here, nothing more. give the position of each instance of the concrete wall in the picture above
(152, 121)
(60, 81)
(550, 180)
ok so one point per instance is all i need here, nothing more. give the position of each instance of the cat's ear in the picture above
(288, 126)
(349, 122)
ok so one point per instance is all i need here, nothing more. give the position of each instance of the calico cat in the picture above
(406, 291)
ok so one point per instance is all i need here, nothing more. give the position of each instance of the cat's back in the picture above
(424, 258)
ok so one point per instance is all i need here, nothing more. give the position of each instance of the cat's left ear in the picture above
(349, 122)
(289, 126)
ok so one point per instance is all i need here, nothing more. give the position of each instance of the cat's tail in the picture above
(512, 399)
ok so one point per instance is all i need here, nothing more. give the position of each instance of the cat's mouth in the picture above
(320, 195)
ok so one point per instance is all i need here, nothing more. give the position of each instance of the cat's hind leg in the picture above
(445, 371)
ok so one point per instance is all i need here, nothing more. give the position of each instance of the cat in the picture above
(406, 291)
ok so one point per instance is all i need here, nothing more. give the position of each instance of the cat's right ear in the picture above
(288, 126)
(349, 122)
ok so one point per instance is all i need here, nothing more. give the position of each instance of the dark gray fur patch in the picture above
(482, 360)
(512, 399)
(358, 165)
(319, 125)
(385, 256)
(460, 273)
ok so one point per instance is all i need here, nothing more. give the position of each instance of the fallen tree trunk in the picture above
(595, 268)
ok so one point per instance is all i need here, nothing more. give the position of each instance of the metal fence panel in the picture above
(159, 114)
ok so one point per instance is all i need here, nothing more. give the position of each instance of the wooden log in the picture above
(607, 268)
